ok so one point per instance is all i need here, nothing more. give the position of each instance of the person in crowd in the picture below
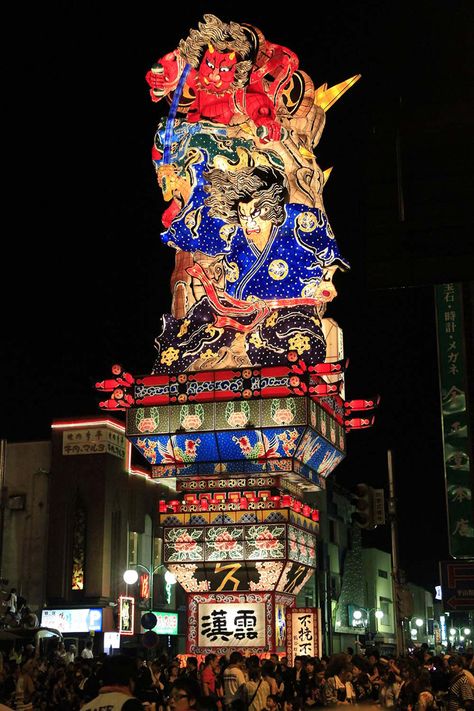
(272, 703)
(360, 679)
(24, 690)
(287, 679)
(338, 672)
(157, 670)
(184, 694)
(71, 654)
(257, 689)
(375, 672)
(234, 680)
(116, 692)
(460, 694)
(209, 680)
(388, 694)
(12, 603)
(29, 619)
(143, 688)
(275, 661)
(311, 684)
(268, 673)
(87, 652)
(191, 669)
(407, 695)
(171, 674)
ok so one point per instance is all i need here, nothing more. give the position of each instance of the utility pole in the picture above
(396, 582)
(3, 495)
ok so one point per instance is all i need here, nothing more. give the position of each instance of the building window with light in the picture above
(132, 548)
(386, 607)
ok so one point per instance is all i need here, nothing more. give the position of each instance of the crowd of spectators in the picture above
(63, 681)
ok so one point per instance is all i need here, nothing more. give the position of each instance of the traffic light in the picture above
(363, 503)
(150, 638)
(369, 506)
(404, 601)
(378, 500)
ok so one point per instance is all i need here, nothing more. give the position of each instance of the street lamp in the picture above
(130, 577)
(359, 620)
(459, 634)
(416, 627)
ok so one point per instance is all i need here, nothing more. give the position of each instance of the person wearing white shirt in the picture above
(87, 652)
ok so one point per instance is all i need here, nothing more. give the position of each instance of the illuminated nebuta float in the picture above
(256, 255)
(245, 405)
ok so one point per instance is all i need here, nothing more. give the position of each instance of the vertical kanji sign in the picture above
(455, 419)
(126, 615)
(303, 636)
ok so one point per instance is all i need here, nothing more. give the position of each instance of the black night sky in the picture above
(85, 278)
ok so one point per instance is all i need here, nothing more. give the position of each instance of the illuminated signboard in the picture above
(144, 586)
(166, 623)
(111, 641)
(303, 636)
(232, 624)
(126, 615)
(84, 620)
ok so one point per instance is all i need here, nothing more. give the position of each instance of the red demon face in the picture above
(217, 70)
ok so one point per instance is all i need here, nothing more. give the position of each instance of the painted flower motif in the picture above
(266, 540)
(148, 448)
(148, 424)
(269, 572)
(299, 343)
(237, 419)
(208, 354)
(283, 416)
(225, 542)
(212, 330)
(169, 355)
(184, 542)
(294, 381)
(191, 422)
(272, 319)
(243, 442)
(293, 546)
(289, 439)
(261, 450)
(177, 456)
(256, 340)
(184, 328)
(190, 447)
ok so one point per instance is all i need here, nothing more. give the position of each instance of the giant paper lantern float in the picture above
(245, 405)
